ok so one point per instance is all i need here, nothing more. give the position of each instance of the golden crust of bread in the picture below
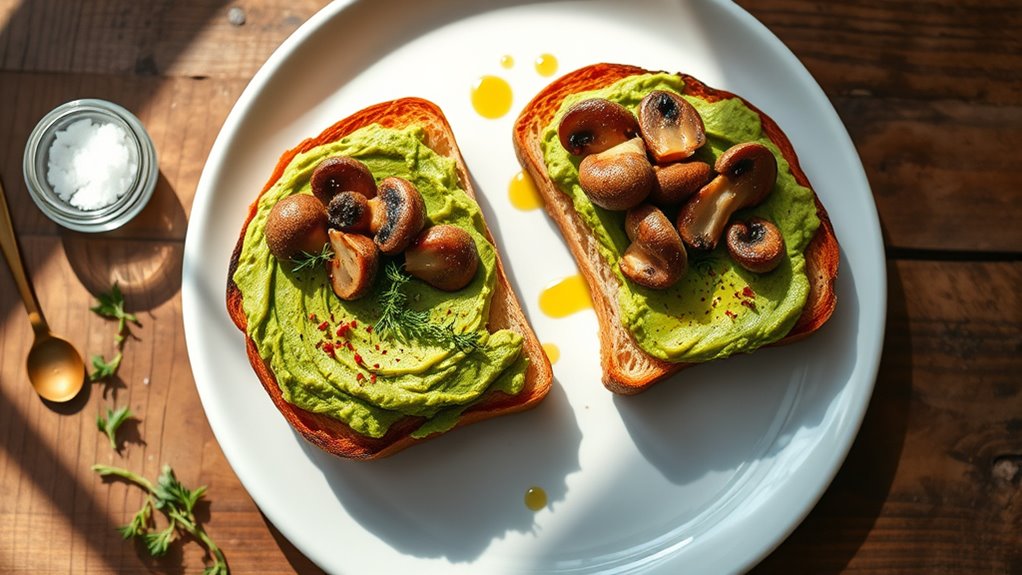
(626, 368)
(505, 310)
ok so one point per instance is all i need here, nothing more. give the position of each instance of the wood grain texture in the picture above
(931, 93)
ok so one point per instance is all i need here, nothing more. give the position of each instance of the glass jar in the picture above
(140, 150)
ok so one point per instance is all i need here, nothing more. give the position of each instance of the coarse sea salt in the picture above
(91, 164)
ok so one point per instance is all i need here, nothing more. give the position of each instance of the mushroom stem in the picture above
(746, 175)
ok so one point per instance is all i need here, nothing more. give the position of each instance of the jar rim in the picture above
(117, 213)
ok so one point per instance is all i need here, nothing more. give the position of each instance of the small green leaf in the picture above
(170, 491)
(112, 422)
(112, 305)
(103, 369)
(139, 522)
(158, 543)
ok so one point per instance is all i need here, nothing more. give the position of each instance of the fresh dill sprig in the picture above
(397, 319)
(305, 260)
(178, 503)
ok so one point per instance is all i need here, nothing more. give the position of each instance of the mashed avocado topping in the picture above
(718, 308)
(324, 352)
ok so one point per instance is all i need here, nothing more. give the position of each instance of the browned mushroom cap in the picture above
(746, 174)
(354, 265)
(294, 225)
(398, 214)
(349, 212)
(757, 245)
(444, 256)
(671, 127)
(656, 258)
(678, 181)
(594, 125)
(339, 174)
(618, 178)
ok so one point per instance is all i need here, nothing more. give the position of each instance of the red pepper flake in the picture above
(749, 304)
(377, 346)
(397, 359)
(349, 346)
(312, 317)
(384, 352)
(323, 326)
(358, 359)
(354, 324)
(376, 366)
(747, 292)
(731, 314)
(344, 330)
(359, 376)
(372, 377)
(369, 329)
(318, 345)
(328, 348)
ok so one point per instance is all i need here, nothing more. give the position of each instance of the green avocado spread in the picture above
(324, 352)
(718, 308)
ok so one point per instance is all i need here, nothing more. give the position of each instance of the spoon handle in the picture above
(9, 246)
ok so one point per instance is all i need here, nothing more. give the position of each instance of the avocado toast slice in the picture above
(358, 387)
(630, 364)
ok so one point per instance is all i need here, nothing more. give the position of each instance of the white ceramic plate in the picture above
(704, 474)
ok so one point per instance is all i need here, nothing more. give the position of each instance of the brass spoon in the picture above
(55, 368)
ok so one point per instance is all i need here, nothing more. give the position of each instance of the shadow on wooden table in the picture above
(830, 536)
(144, 257)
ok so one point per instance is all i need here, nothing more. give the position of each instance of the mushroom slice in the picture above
(656, 257)
(671, 127)
(746, 174)
(444, 256)
(618, 178)
(594, 125)
(678, 181)
(757, 244)
(296, 224)
(398, 213)
(349, 212)
(339, 174)
(354, 265)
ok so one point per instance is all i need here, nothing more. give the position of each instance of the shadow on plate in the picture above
(452, 496)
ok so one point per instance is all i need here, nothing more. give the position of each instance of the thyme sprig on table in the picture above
(396, 318)
(178, 504)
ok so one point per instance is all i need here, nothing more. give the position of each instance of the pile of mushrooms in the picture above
(362, 221)
(644, 166)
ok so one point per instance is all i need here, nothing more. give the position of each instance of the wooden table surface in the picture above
(931, 93)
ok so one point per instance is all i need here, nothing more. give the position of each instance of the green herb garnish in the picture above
(178, 504)
(397, 319)
(305, 260)
(112, 305)
(104, 369)
(112, 422)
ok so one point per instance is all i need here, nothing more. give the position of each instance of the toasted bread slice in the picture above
(505, 311)
(627, 369)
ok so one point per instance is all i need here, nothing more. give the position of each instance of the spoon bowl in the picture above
(55, 368)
